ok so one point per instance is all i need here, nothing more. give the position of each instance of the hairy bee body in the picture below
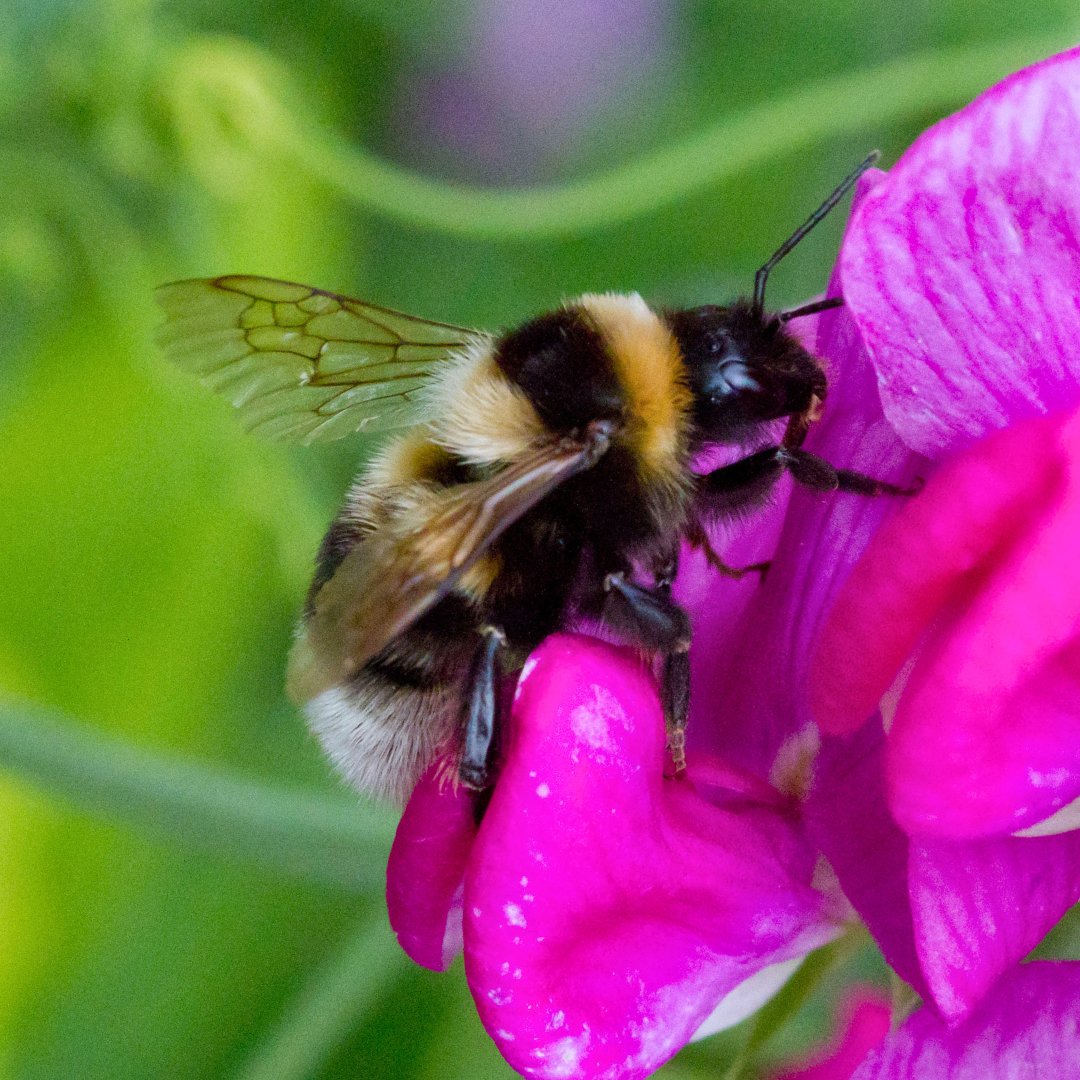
(602, 356)
(542, 474)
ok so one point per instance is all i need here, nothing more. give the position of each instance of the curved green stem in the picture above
(844, 105)
(322, 838)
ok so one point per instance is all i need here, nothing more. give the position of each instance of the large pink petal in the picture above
(921, 559)
(979, 574)
(608, 909)
(961, 267)
(1027, 1028)
(987, 732)
(950, 917)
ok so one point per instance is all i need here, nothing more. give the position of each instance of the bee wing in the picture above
(387, 582)
(303, 364)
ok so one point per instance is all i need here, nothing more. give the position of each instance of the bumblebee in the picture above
(543, 476)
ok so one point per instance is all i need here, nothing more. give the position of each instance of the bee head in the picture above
(744, 369)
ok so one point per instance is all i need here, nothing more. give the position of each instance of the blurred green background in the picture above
(186, 891)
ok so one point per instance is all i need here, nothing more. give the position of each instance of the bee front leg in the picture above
(650, 618)
(481, 707)
(748, 481)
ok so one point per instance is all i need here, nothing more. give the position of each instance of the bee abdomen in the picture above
(383, 724)
(381, 735)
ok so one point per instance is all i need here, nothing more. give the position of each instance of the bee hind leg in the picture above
(649, 617)
(481, 707)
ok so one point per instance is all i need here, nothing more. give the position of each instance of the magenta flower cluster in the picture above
(888, 727)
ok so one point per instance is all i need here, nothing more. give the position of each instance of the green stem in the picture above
(844, 105)
(329, 1007)
(322, 838)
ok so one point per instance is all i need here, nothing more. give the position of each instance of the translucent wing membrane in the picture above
(390, 580)
(303, 364)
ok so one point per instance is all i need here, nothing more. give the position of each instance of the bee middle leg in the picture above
(481, 708)
(650, 618)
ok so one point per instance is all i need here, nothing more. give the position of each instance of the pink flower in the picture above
(608, 909)
(961, 619)
(605, 909)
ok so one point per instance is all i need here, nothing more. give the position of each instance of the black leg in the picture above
(675, 695)
(480, 714)
(649, 617)
(697, 536)
(742, 484)
(746, 482)
(816, 473)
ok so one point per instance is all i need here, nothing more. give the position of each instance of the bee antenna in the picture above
(762, 276)
(810, 309)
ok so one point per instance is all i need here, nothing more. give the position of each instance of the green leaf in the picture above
(320, 838)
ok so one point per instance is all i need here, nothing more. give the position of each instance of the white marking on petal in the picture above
(747, 997)
(591, 723)
(1052, 778)
(1067, 819)
(514, 915)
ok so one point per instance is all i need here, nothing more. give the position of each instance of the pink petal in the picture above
(918, 562)
(608, 909)
(1027, 1028)
(950, 917)
(961, 268)
(426, 867)
(848, 819)
(980, 906)
(862, 1024)
(986, 737)
(980, 571)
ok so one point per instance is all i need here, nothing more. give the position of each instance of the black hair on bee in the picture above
(543, 475)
